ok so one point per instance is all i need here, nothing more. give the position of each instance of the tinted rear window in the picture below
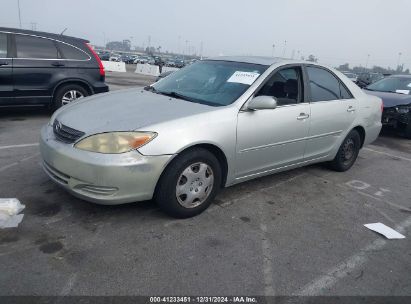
(70, 52)
(325, 86)
(35, 47)
(3, 45)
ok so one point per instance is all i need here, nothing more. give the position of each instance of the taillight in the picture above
(382, 106)
(100, 64)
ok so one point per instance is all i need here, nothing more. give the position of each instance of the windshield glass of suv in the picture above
(392, 84)
(215, 83)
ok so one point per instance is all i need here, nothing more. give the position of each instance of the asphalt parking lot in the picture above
(295, 233)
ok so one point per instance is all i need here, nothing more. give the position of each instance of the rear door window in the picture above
(344, 92)
(35, 47)
(70, 52)
(325, 86)
(3, 45)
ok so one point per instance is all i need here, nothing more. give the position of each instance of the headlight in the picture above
(403, 109)
(115, 142)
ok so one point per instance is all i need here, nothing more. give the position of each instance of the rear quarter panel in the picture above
(369, 110)
(368, 113)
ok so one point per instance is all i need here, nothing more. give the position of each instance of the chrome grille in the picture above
(64, 133)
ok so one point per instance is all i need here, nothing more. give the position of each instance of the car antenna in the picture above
(63, 31)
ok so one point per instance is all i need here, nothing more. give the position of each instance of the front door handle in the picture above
(57, 64)
(3, 63)
(350, 109)
(303, 116)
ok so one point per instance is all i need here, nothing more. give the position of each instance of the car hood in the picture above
(391, 99)
(126, 110)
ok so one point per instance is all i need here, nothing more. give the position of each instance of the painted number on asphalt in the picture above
(360, 185)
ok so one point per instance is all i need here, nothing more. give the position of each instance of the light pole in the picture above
(18, 6)
(285, 46)
(272, 55)
(399, 59)
(201, 50)
(368, 58)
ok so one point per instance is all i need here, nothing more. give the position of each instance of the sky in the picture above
(335, 31)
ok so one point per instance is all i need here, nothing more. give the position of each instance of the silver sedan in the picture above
(213, 124)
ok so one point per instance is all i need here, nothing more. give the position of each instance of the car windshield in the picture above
(401, 85)
(211, 82)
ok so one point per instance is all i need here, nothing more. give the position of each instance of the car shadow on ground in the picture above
(51, 201)
(393, 139)
(23, 113)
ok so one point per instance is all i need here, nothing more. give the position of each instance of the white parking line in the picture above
(388, 154)
(18, 162)
(267, 264)
(69, 285)
(343, 269)
(19, 146)
(385, 201)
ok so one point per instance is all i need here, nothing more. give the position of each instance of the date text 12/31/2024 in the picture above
(201, 299)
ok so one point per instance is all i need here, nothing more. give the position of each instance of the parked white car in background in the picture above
(212, 124)
(115, 58)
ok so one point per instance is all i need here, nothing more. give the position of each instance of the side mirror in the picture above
(262, 103)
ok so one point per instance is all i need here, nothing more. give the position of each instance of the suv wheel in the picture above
(407, 130)
(67, 94)
(189, 184)
(348, 152)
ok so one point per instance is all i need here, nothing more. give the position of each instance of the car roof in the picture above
(42, 34)
(254, 59)
(400, 76)
(258, 60)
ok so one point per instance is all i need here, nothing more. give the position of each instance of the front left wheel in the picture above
(189, 184)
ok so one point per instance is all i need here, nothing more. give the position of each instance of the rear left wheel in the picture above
(67, 94)
(407, 131)
(347, 153)
(189, 184)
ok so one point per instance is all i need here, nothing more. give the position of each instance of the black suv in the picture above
(39, 68)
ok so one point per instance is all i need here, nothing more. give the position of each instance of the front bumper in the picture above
(101, 88)
(391, 117)
(101, 178)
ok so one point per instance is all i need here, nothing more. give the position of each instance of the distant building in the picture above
(124, 45)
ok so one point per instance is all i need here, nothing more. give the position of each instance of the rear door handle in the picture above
(3, 63)
(303, 116)
(350, 109)
(57, 64)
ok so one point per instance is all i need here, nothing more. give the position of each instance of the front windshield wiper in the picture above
(177, 95)
(174, 94)
(170, 94)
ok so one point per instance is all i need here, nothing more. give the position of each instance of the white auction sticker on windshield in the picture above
(243, 77)
(406, 92)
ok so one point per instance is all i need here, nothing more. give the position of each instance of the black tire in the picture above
(166, 196)
(347, 153)
(60, 92)
(407, 130)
